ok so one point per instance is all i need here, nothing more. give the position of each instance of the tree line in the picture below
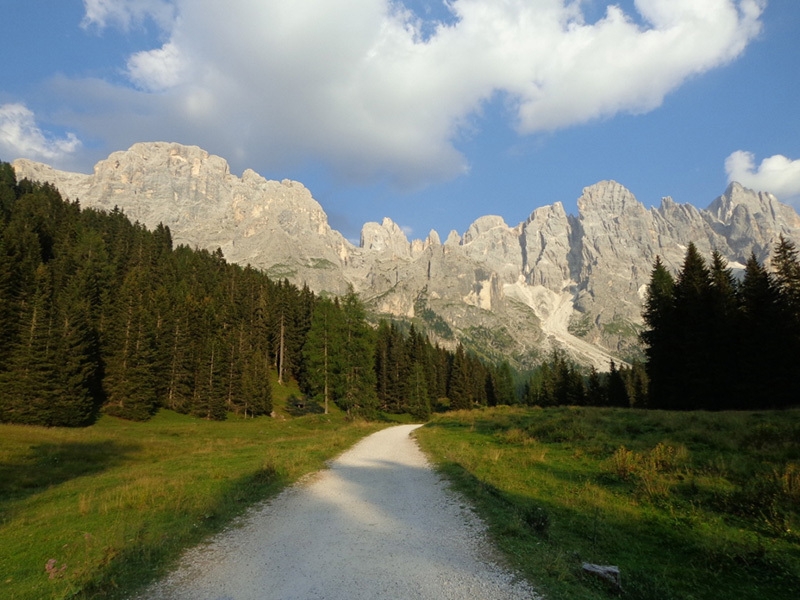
(714, 341)
(99, 314)
(558, 381)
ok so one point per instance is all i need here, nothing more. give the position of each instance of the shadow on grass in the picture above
(51, 464)
(653, 552)
(148, 558)
(300, 407)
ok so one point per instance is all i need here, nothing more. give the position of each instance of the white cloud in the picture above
(125, 13)
(374, 90)
(21, 137)
(157, 70)
(777, 174)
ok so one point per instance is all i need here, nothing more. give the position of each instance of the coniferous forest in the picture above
(100, 314)
(712, 341)
(717, 342)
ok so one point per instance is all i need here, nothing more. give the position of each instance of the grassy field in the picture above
(688, 505)
(97, 512)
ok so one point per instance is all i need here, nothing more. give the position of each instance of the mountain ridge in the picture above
(553, 280)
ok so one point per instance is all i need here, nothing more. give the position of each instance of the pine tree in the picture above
(358, 395)
(660, 341)
(130, 382)
(382, 341)
(595, 390)
(693, 334)
(8, 192)
(458, 383)
(322, 352)
(723, 328)
(419, 404)
(786, 343)
(761, 325)
(787, 277)
(617, 392)
(503, 385)
(256, 389)
(77, 358)
(28, 387)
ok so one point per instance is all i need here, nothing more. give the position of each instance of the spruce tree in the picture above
(659, 337)
(761, 319)
(28, 388)
(617, 391)
(358, 395)
(595, 390)
(130, 382)
(722, 368)
(458, 383)
(322, 352)
(382, 366)
(786, 344)
(419, 404)
(693, 333)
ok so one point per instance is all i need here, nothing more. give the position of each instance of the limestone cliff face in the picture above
(275, 226)
(572, 281)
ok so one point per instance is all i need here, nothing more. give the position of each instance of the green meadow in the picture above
(689, 505)
(100, 511)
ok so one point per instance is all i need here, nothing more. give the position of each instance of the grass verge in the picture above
(688, 505)
(101, 511)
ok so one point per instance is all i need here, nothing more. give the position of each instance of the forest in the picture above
(715, 341)
(99, 314)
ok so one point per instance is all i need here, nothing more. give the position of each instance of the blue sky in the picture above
(429, 113)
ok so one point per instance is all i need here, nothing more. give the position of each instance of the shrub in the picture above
(624, 462)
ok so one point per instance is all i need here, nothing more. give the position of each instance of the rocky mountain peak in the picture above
(453, 239)
(386, 238)
(606, 197)
(483, 225)
(736, 195)
(554, 280)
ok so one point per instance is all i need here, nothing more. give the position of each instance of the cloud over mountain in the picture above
(776, 174)
(20, 135)
(374, 89)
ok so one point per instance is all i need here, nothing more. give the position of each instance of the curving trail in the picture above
(379, 523)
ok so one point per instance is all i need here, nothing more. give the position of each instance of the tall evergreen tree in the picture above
(758, 299)
(595, 390)
(322, 352)
(357, 395)
(659, 337)
(617, 391)
(693, 333)
(419, 404)
(458, 383)
(28, 388)
(723, 327)
(785, 345)
(130, 382)
(787, 277)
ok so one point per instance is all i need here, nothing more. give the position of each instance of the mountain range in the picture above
(515, 292)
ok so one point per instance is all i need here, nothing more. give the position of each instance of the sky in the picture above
(429, 112)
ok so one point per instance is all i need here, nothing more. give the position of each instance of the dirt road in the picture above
(378, 524)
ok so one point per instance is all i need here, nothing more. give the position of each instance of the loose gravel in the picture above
(379, 523)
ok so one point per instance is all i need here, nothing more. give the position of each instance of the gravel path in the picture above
(378, 524)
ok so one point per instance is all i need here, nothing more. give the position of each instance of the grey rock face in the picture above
(275, 226)
(554, 280)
